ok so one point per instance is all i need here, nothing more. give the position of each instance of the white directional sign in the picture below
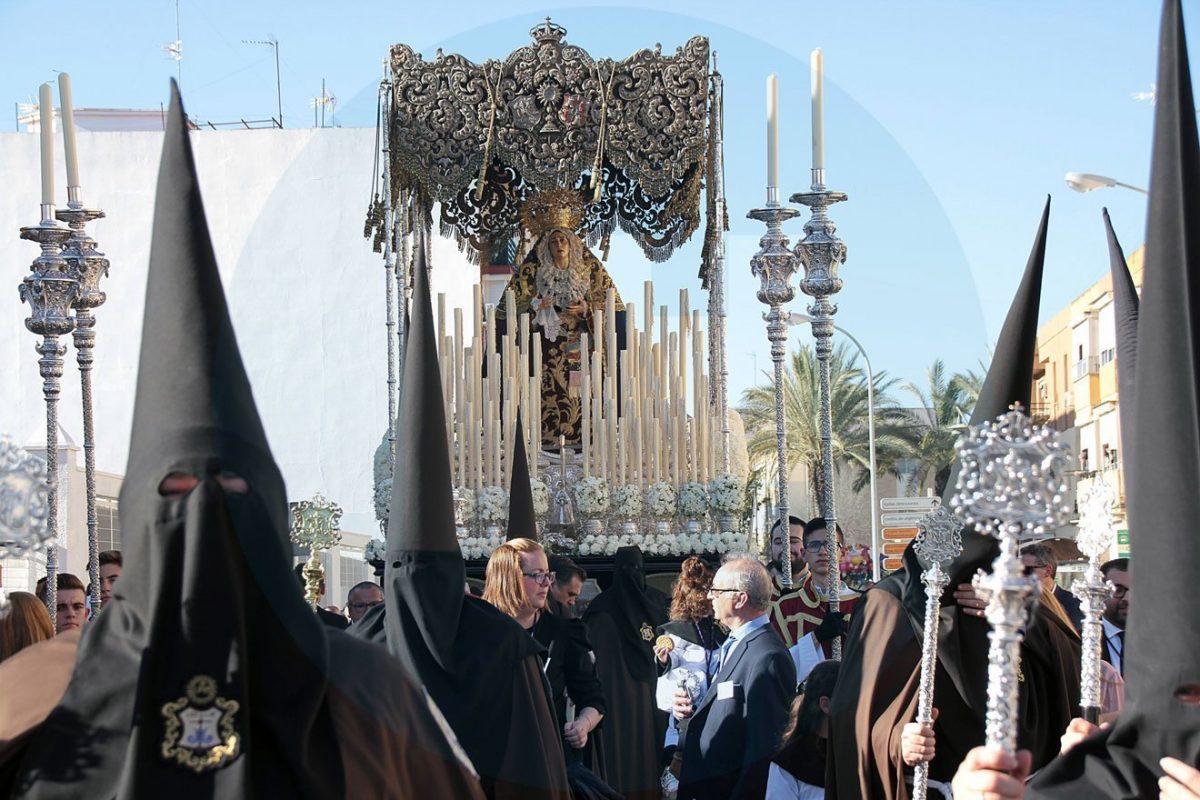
(911, 504)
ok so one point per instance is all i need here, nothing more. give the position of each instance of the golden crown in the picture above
(552, 208)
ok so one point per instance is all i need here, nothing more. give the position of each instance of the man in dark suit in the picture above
(1040, 560)
(729, 736)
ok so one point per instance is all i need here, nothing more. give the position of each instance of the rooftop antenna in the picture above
(272, 43)
(174, 50)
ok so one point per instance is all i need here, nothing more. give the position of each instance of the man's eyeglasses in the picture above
(540, 577)
(814, 547)
(715, 590)
(364, 606)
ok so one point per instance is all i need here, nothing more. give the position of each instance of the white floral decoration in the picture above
(541, 497)
(478, 547)
(727, 494)
(660, 500)
(693, 500)
(627, 501)
(591, 496)
(492, 505)
(383, 499)
(374, 550)
(466, 507)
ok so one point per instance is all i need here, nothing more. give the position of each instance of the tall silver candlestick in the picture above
(50, 291)
(774, 265)
(1012, 485)
(822, 254)
(938, 543)
(1093, 539)
(87, 266)
(389, 261)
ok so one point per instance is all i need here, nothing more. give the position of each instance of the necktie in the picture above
(1121, 639)
(726, 646)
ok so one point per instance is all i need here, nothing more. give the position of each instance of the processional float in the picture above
(599, 145)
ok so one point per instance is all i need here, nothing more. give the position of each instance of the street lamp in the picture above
(1086, 182)
(876, 546)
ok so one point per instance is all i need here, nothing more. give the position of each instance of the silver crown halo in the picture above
(940, 537)
(1096, 518)
(1013, 476)
(24, 501)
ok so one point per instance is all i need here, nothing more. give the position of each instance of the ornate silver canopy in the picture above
(631, 135)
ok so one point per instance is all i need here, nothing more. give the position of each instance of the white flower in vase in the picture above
(660, 500)
(693, 500)
(627, 501)
(727, 495)
(541, 497)
(591, 496)
(492, 503)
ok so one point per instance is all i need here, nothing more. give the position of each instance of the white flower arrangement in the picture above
(466, 507)
(599, 545)
(727, 494)
(591, 496)
(476, 547)
(660, 500)
(627, 501)
(693, 500)
(374, 550)
(383, 499)
(660, 545)
(541, 497)
(492, 505)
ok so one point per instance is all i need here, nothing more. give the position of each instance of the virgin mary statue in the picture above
(559, 285)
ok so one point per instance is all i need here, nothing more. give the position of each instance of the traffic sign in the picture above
(900, 534)
(905, 519)
(923, 504)
(892, 564)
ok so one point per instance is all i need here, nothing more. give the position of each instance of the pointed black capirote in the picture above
(425, 574)
(1162, 640)
(1125, 311)
(207, 589)
(522, 522)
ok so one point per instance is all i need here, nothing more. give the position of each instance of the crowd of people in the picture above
(204, 673)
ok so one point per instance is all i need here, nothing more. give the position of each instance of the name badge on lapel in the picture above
(725, 690)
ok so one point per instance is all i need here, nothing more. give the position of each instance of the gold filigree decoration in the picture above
(200, 727)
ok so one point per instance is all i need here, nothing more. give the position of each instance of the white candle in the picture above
(818, 111)
(68, 127)
(46, 111)
(772, 131)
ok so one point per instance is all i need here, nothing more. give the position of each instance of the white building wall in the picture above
(285, 209)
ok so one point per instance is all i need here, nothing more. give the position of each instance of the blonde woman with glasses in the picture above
(518, 579)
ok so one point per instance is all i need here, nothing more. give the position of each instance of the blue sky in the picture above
(947, 122)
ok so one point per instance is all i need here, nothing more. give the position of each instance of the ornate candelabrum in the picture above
(1095, 534)
(24, 500)
(315, 525)
(774, 264)
(86, 265)
(50, 291)
(822, 253)
(1013, 486)
(938, 543)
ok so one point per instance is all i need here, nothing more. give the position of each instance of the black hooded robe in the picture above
(621, 624)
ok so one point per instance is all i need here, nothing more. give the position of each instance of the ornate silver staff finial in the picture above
(315, 525)
(1013, 486)
(23, 505)
(1095, 535)
(938, 543)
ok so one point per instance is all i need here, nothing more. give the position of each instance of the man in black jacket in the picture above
(731, 733)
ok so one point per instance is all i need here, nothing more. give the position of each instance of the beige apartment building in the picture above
(1075, 388)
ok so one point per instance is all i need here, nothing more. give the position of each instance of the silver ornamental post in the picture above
(1012, 485)
(774, 265)
(50, 290)
(938, 543)
(822, 253)
(1095, 533)
(315, 525)
(87, 266)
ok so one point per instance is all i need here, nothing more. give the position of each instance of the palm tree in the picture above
(942, 407)
(801, 408)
